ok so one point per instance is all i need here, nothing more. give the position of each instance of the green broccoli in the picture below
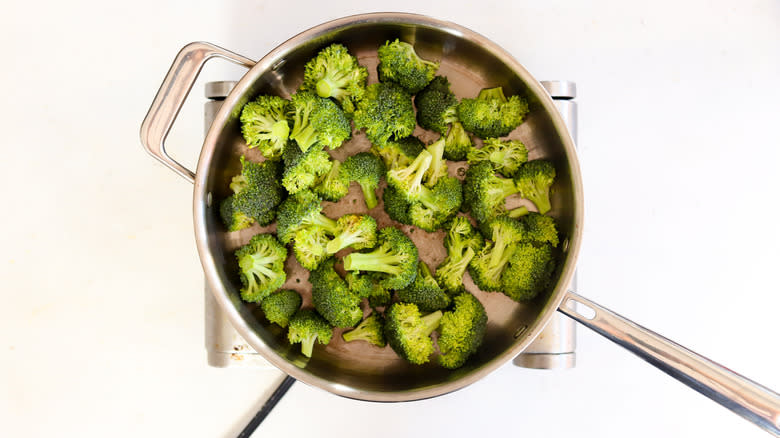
(506, 157)
(461, 331)
(366, 285)
(257, 193)
(370, 330)
(335, 73)
(261, 267)
(491, 114)
(436, 206)
(386, 111)
(436, 105)
(399, 63)
(367, 170)
(332, 298)
(396, 205)
(457, 143)
(297, 211)
(318, 121)
(303, 169)
(306, 326)
(408, 332)
(409, 179)
(280, 306)
(488, 264)
(533, 181)
(264, 125)
(396, 257)
(540, 229)
(309, 246)
(334, 185)
(528, 271)
(357, 231)
(424, 291)
(233, 218)
(380, 296)
(438, 167)
(484, 192)
(399, 153)
(462, 242)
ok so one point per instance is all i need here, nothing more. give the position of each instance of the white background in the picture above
(101, 319)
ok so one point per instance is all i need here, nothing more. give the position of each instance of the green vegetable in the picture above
(484, 193)
(489, 263)
(370, 330)
(332, 298)
(367, 170)
(436, 206)
(306, 327)
(528, 272)
(457, 143)
(399, 153)
(335, 73)
(398, 62)
(396, 257)
(318, 121)
(461, 331)
(385, 112)
(303, 169)
(506, 157)
(334, 185)
(396, 205)
(462, 242)
(408, 332)
(309, 246)
(280, 306)
(256, 194)
(540, 229)
(297, 211)
(533, 182)
(491, 114)
(357, 231)
(261, 267)
(424, 291)
(436, 105)
(264, 125)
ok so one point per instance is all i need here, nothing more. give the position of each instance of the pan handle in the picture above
(757, 404)
(172, 94)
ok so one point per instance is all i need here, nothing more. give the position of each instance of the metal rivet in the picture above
(520, 331)
(278, 64)
(208, 199)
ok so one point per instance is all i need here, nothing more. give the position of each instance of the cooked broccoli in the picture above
(506, 157)
(484, 192)
(334, 185)
(398, 62)
(424, 291)
(396, 205)
(318, 121)
(297, 211)
(280, 306)
(540, 229)
(257, 193)
(399, 153)
(332, 298)
(491, 114)
(528, 271)
(533, 180)
(461, 331)
(264, 125)
(309, 246)
(409, 179)
(306, 326)
(335, 73)
(261, 267)
(488, 264)
(438, 167)
(233, 218)
(303, 169)
(370, 330)
(436, 105)
(366, 285)
(367, 170)
(380, 296)
(386, 111)
(408, 332)
(457, 143)
(396, 257)
(462, 242)
(357, 231)
(436, 206)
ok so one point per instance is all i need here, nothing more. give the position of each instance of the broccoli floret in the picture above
(409, 179)
(332, 298)
(533, 180)
(436, 105)
(488, 264)
(386, 111)
(366, 285)
(484, 192)
(491, 114)
(506, 157)
(462, 242)
(540, 229)
(438, 167)
(261, 267)
(528, 271)
(398, 62)
(309, 246)
(303, 169)
(297, 211)
(367, 170)
(264, 125)
(399, 153)
(424, 291)
(457, 143)
(306, 326)
(280, 306)
(318, 121)
(257, 193)
(354, 230)
(408, 332)
(461, 331)
(396, 257)
(370, 330)
(335, 73)
(396, 205)
(334, 185)
(233, 218)
(436, 206)
(380, 296)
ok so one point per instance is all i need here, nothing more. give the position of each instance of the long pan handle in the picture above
(756, 403)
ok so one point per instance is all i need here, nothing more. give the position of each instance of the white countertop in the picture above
(101, 327)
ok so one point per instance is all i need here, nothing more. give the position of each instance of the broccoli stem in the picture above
(307, 345)
(379, 260)
(496, 93)
(437, 152)
(431, 322)
(518, 212)
(542, 202)
(332, 84)
(342, 241)
(304, 133)
(369, 194)
(325, 222)
(415, 171)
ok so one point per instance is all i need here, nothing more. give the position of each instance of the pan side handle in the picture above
(754, 402)
(172, 94)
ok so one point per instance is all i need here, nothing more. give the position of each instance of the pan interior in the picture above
(358, 369)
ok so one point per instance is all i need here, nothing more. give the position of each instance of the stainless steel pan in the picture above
(471, 62)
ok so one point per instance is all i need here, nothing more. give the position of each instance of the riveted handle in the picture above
(171, 96)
